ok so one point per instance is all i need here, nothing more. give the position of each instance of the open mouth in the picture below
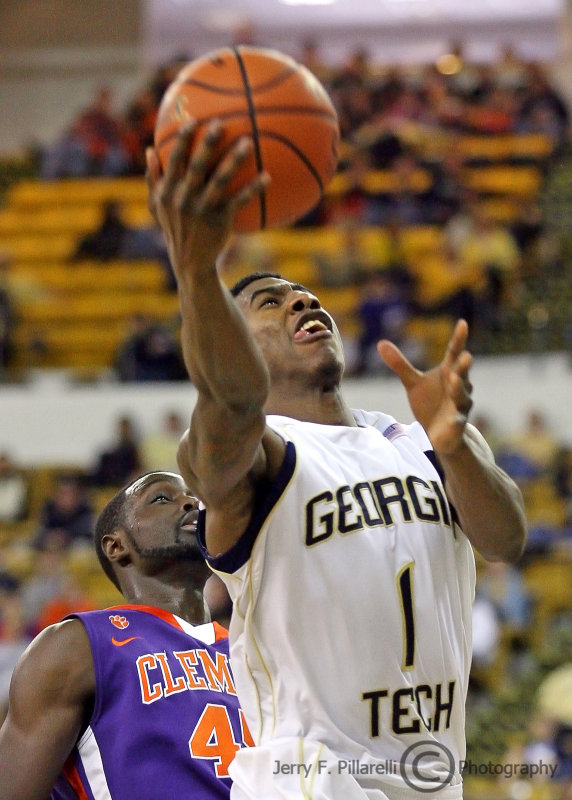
(189, 521)
(311, 325)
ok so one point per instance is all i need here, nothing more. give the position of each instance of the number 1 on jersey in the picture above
(404, 582)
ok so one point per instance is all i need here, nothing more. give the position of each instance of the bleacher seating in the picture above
(81, 310)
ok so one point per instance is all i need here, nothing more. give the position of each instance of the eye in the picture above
(161, 498)
(269, 301)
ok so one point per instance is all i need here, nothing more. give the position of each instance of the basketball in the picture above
(268, 96)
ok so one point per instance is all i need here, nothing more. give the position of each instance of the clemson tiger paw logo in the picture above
(119, 621)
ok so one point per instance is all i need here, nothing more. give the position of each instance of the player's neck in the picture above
(185, 601)
(317, 404)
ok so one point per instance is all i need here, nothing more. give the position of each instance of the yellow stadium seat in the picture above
(433, 333)
(507, 180)
(420, 239)
(24, 246)
(66, 278)
(532, 146)
(550, 582)
(382, 181)
(77, 191)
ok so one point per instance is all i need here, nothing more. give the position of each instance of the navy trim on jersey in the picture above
(434, 460)
(266, 497)
(430, 454)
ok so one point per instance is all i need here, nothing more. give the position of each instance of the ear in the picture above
(115, 547)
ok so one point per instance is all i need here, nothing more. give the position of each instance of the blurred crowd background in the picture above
(452, 198)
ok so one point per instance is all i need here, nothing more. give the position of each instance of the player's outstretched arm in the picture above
(192, 205)
(51, 687)
(488, 502)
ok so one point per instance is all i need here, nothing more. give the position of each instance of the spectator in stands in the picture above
(165, 74)
(488, 429)
(48, 575)
(151, 353)
(495, 113)
(124, 361)
(67, 516)
(159, 448)
(562, 478)
(353, 203)
(115, 239)
(530, 452)
(447, 193)
(310, 56)
(69, 599)
(543, 109)
(8, 315)
(140, 119)
(121, 462)
(458, 283)
(486, 634)
(406, 204)
(554, 704)
(92, 145)
(106, 241)
(383, 313)
(350, 264)
(492, 250)
(510, 70)
(354, 109)
(14, 490)
(528, 228)
(503, 585)
(462, 77)
(443, 106)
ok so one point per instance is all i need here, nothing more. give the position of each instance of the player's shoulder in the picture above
(391, 428)
(60, 654)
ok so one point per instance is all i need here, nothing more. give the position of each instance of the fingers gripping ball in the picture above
(280, 104)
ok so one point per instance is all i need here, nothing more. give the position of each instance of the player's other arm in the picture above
(228, 444)
(51, 687)
(488, 502)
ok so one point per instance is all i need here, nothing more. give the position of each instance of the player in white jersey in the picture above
(343, 537)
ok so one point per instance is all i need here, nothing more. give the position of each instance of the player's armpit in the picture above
(227, 520)
(51, 688)
(222, 449)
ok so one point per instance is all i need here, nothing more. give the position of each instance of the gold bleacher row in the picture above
(513, 181)
(81, 311)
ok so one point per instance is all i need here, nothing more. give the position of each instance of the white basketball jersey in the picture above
(352, 593)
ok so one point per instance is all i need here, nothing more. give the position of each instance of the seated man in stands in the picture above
(67, 515)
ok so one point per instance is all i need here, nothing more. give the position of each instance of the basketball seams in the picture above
(274, 106)
(260, 111)
(239, 91)
(252, 114)
(299, 153)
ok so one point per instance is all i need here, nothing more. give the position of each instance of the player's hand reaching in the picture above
(441, 397)
(191, 201)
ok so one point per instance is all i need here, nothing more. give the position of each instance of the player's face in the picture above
(162, 516)
(291, 327)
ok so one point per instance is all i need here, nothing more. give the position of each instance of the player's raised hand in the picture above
(191, 201)
(441, 397)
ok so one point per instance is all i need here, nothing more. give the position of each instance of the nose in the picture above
(302, 299)
(189, 503)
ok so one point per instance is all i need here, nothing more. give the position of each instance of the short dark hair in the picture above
(242, 283)
(112, 517)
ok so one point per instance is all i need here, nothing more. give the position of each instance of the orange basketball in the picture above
(280, 104)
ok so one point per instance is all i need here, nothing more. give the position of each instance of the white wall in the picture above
(51, 422)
